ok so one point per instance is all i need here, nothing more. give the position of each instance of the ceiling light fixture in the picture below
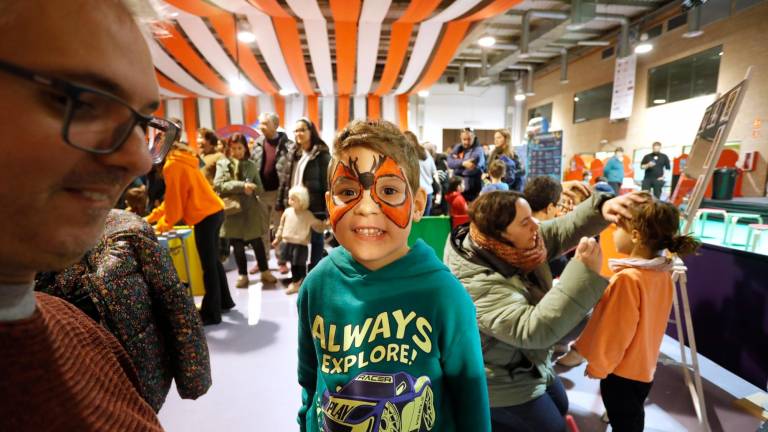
(659, 101)
(643, 48)
(520, 97)
(576, 99)
(423, 93)
(486, 41)
(285, 92)
(246, 36)
(237, 85)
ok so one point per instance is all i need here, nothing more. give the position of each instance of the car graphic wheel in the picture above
(390, 419)
(428, 410)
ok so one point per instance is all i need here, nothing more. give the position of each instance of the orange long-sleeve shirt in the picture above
(188, 194)
(624, 334)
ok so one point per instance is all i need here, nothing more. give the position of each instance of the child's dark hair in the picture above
(542, 191)
(658, 223)
(497, 169)
(454, 183)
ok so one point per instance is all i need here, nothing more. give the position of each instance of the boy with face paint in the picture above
(388, 338)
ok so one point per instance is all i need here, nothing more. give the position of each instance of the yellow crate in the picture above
(177, 255)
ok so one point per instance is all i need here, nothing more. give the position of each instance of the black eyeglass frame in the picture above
(72, 91)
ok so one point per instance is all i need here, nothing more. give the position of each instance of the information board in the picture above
(545, 155)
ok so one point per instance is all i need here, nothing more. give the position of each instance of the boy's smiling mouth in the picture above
(368, 231)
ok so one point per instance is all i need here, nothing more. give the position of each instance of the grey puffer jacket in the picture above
(520, 316)
(287, 155)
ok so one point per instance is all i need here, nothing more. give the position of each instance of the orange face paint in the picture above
(386, 182)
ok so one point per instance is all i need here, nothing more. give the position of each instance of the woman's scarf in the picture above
(523, 259)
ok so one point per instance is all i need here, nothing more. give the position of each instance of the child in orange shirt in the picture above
(622, 339)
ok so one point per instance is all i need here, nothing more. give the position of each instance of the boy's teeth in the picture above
(369, 231)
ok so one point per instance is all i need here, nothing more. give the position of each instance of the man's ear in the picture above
(636, 237)
(419, 204)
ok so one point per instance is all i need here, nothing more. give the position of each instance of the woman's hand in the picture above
(276, 243)
(589, 253)
(249, 188)
(576, 191)
(616, 208)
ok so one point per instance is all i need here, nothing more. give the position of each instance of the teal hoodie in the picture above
(393, 349)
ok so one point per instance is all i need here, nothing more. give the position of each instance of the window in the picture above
(677, 21)
(686, 78)
(607, 53)
(543, 110)
(593, 103)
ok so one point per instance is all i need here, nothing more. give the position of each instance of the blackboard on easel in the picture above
(545, 155)
(707, 147)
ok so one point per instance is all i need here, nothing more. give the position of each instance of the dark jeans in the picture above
(472, 187)
(616, 186)
(653, 184)
(217, 295)
(238, 245)
(624, 399)
(428, 208)
(297, 255)
(317, 243)
(543, 414)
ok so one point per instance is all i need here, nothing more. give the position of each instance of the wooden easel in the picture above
(702, 175)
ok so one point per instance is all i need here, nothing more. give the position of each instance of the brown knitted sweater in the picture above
(60, 371)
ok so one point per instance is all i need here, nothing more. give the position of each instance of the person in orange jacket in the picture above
(190, 197)
(622, 339)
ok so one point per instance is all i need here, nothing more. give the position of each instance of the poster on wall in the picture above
(545, 155)
(623, 87)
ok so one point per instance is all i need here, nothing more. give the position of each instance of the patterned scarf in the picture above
(523, 259)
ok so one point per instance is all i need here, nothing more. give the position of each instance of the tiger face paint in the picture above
(386, 182)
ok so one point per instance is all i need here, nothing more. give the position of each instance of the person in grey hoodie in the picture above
(501, 259)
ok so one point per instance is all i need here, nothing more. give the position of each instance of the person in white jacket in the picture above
(295, 229)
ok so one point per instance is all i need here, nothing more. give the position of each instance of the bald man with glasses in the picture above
(77, 93)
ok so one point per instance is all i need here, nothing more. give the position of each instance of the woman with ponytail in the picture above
(622, 339)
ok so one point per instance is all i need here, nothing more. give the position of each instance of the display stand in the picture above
(709, 143)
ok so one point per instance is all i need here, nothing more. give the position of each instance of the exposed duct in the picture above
(462, 77)
(595, 43)
(484, 63)
(582, 12)
(564, 66)
(529, 81)
(623, 34)
(526, 35)
(694, 23)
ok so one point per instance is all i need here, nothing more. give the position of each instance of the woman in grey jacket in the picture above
(501, 258)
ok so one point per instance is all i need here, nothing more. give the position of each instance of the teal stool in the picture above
(702, 216)
(754, 234)
(733, 218)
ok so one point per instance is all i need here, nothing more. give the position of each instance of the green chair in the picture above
(702, 216)
(732, 219)
(434, 230)
(754, 234)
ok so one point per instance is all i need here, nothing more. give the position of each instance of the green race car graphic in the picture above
(377, 402)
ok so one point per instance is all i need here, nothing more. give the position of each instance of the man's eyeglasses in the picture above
(96, 121)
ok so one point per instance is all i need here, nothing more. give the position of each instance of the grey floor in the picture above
(253, 361)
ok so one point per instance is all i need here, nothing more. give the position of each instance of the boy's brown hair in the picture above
(382, 137)
(497, 169)
(658, 223)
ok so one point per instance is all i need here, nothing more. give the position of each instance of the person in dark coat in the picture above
(467, 160)
(311, 171)
(127, 283)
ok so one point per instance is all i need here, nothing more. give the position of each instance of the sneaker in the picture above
(282, 268)
(268, 278)
(293, 288)
(242, 281)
